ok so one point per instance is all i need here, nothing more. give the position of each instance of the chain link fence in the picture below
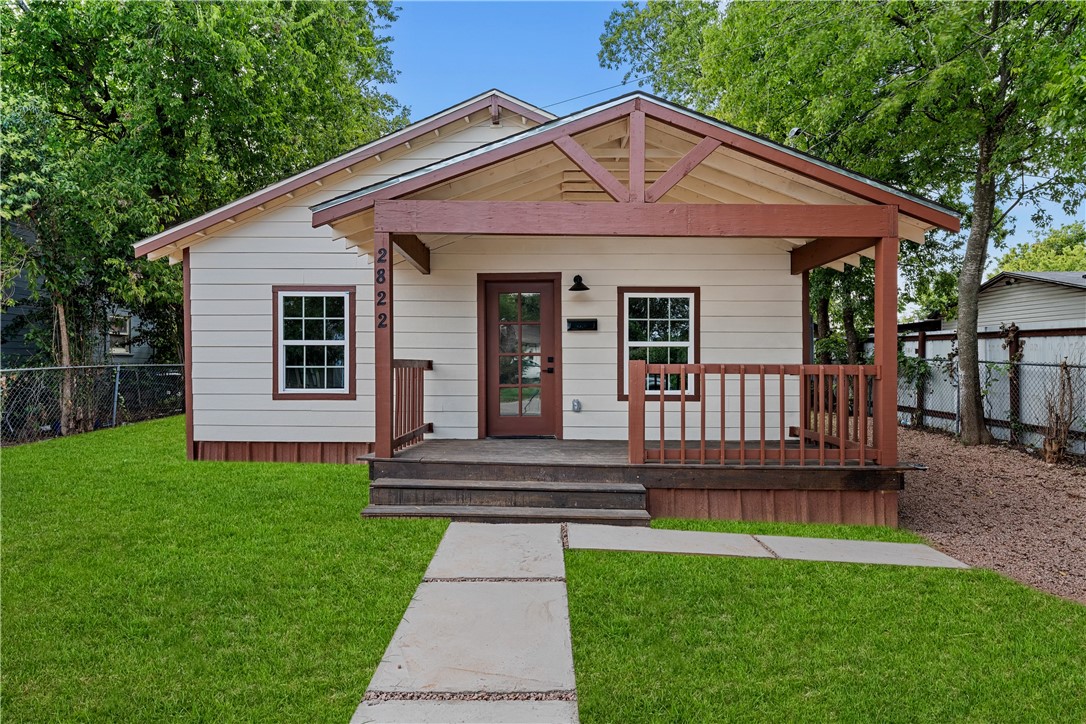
(1025, 403)
(45, 402)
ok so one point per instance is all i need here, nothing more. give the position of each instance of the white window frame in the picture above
(690, 343)
(125, 351)
(281, 352)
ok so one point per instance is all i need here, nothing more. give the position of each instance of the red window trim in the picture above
(623, 363)
(352, 344)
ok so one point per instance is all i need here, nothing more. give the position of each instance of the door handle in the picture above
(549, 370)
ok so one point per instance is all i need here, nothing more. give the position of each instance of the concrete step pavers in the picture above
(493, 648)
(858, 551)
(652, 540)
(479, 550)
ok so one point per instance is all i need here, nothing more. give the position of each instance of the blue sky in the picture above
(541, 52)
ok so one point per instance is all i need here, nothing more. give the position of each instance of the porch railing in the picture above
(408, 402)
(753, 414)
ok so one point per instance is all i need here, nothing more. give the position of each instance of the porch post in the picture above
(886, 251)
(382, 343)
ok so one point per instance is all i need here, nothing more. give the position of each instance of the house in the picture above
(118, 346)
(1031, 300)
(498, 306)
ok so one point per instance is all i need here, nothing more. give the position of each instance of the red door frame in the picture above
(555, 279)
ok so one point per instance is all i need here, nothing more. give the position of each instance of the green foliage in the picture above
(833, 347)
(977, 101)
(125, 118)
(1062, 249)
(912, 370)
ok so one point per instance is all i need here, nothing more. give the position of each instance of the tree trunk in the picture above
(976, 254)
(67, 406)
(823, 325)
(852, 339)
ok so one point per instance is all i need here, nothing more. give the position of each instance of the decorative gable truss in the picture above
(638, 167)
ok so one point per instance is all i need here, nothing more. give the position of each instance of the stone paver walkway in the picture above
(612, 538)
(486, 638)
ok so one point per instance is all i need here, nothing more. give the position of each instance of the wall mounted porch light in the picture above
(578, 285)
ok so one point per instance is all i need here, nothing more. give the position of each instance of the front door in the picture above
(521, 359)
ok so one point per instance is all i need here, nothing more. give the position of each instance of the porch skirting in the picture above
(282, 452)
(850, 507)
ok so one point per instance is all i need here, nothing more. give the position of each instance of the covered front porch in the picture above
(727, 429)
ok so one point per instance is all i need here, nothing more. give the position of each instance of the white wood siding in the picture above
(1030, 305)
(750, 306)
(232, 274)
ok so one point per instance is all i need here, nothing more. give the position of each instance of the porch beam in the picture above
(383, 350)
(413, 250)
(562, 218)
(595, 170)
(682, 167)
(826, 250)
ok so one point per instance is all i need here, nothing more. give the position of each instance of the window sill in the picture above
(314, 395)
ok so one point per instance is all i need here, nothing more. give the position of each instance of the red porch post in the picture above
(382, 343)
(886, 251)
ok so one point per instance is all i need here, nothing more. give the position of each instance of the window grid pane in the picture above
(313, 344)
(659, 330)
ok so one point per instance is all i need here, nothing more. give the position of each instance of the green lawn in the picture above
(141, 587)
(700, 638)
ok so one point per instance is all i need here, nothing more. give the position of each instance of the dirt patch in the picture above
(998, 508)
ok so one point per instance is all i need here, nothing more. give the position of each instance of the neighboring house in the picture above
(17, 351)
(496, 294)
(1031, 300)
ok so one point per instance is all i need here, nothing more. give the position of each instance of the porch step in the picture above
(550, 472)
(505, 514)
(507, 493)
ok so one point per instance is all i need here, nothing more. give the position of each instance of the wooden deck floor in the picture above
(578, 452)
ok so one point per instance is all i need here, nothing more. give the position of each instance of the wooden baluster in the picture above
(842, 409)
(761, 414)
(782, 433)
(723, 408)
(742, 414)
(862, 413)
(704, 400)
(821, 414)
(663, 428)
(804, 385)
(682, 416)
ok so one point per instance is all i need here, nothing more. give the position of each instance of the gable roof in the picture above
(1076, 279)
(493, 99)
(745, 142)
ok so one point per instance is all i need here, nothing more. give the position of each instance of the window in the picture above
(120, 334)
(314, 342)
(658, 325)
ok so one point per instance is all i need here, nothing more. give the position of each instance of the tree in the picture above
(963, 101)
(1062, 249)
(126, 118)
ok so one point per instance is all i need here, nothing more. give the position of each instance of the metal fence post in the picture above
(116, 391)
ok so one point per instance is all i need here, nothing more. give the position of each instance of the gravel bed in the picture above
(999, 508)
